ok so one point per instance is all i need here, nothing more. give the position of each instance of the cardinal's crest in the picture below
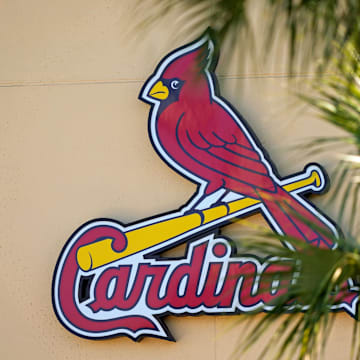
(109, 279)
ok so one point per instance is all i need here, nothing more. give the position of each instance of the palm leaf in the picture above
(313, 27)
(320, 272)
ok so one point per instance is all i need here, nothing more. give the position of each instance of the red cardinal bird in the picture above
(198, 134)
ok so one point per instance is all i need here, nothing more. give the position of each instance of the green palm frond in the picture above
(321, 277)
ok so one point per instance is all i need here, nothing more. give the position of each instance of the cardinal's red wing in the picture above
(227, 156)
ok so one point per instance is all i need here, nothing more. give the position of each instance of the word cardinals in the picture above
(200, 135)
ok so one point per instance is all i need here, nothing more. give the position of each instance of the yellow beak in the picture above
(159, 91)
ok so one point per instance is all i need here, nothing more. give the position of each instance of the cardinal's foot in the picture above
(208, 201)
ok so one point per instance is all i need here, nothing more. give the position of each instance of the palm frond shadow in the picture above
(312, 27)
(338, 104)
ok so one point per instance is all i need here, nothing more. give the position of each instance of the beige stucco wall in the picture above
(74, 146)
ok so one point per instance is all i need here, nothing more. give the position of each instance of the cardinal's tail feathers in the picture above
(292, 218)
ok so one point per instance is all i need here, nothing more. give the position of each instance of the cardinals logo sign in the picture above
(109, 279)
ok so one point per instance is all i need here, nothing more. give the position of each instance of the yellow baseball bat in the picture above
(101, 252)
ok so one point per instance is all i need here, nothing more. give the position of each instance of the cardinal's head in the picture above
(183, 75)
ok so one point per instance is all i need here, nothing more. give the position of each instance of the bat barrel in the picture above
(102, 252)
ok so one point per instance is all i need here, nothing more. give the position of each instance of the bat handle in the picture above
(313, 178)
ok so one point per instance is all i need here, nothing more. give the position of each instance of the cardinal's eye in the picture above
(175, 84)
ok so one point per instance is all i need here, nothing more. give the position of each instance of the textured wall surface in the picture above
(74, 146)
